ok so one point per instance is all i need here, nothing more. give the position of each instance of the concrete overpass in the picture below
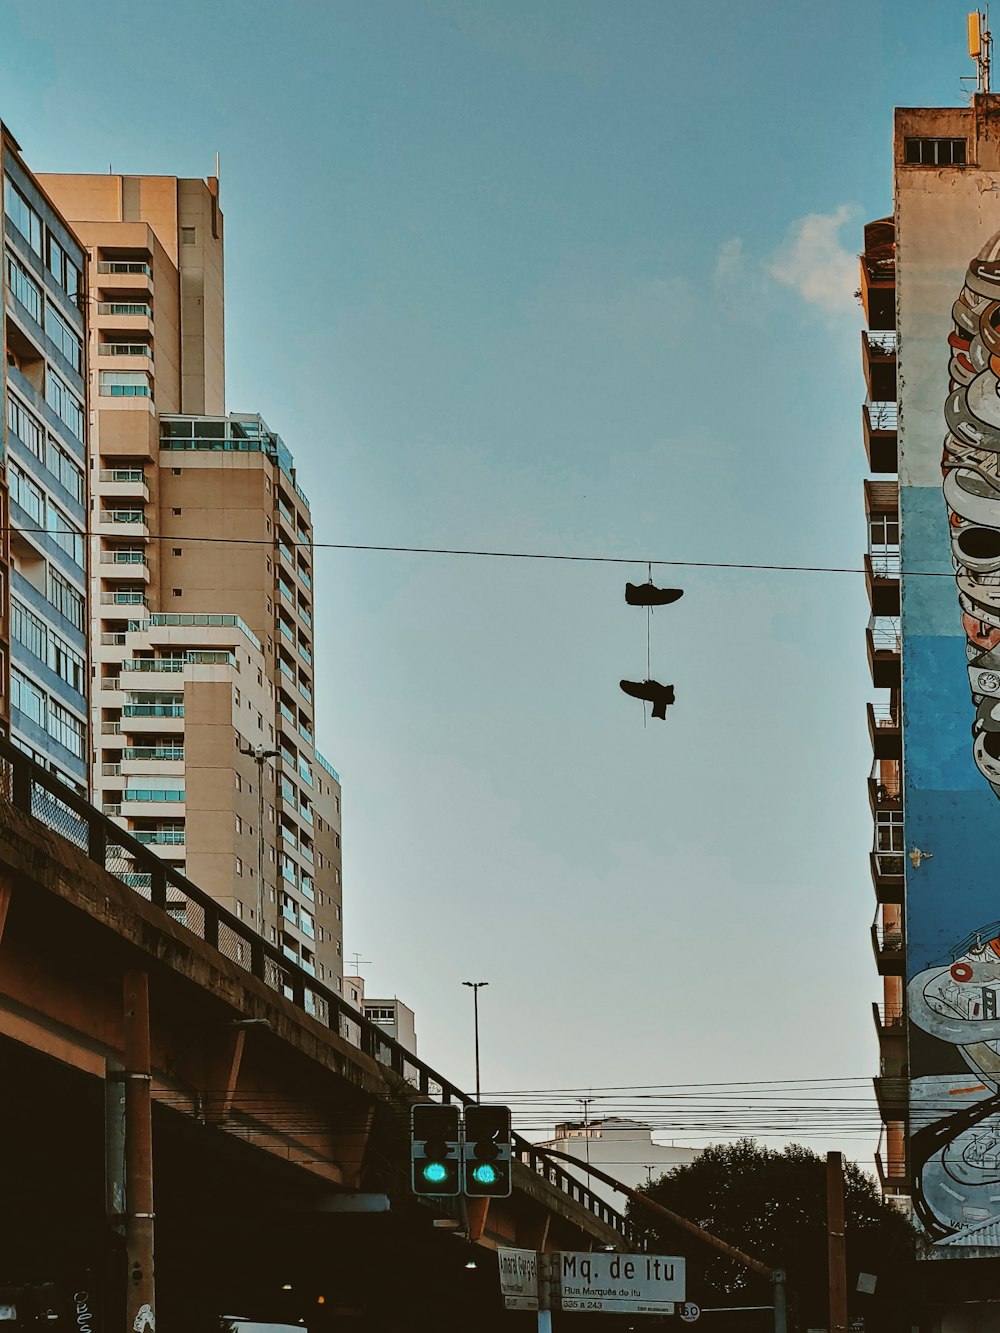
(176, 1092)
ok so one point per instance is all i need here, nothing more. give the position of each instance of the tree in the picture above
(772, 1205)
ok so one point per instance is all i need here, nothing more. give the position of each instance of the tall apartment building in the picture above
(930, 288)
(43, 497)
(201, 590)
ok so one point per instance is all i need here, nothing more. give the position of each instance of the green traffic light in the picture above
(484, 1174)
(435, 1172)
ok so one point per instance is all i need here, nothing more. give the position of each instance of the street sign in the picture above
(518, 1279)
(617, 1283)
(689, 1312)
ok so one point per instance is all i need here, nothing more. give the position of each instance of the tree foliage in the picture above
(771, 1204)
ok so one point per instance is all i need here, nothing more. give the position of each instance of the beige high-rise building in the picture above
(203, 702)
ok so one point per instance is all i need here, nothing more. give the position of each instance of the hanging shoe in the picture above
(646, 594)
(660, 696)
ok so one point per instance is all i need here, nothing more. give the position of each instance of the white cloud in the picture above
(813, 262)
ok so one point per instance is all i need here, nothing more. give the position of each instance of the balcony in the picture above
(122, 523)
(892, 1178)
(892, 1095)
(122, 605)
(884, 731)
(121, 321)
(123, 483)
(890, 1021)
(882, 580)
(879, 360)
(878, 275)
(153, 710)
(889, 948)
(884, 643)
(168, 837)
(879, 428)
(128, 565)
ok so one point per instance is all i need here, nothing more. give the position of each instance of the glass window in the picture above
(25, 493)
(66, 663)
(28, 630)
(24, 287)
(64, 533)
(62, 466)
(124, 384)
(57, 259)
(26, 426)
(65, 728)
(64, 403)
(23, 216)
(63, 337)
(66, 599)
(28, 697)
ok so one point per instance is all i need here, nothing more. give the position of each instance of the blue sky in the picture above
(571, 277)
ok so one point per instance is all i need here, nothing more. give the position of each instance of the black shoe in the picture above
(646, 594)
(660, 696)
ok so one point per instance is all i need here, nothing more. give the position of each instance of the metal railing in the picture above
(125, 308)
(124, 266)
(882, 341)
(889, 864)
(884, 562)
(886, 715)
(36, 792)
(886, 633)
(892, 1017)
(883, 415)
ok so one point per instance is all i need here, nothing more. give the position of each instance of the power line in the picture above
(274, 544)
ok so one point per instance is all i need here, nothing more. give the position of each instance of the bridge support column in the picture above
(140, 1292)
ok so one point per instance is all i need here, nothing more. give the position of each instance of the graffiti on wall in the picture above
(971, 466)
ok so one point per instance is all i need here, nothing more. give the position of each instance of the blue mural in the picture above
(951, 724)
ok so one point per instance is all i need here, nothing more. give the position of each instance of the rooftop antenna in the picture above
(981, 47)
(357, 962)
(218, 166)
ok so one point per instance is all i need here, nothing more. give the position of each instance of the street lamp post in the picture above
(259, 755)
(476, 986)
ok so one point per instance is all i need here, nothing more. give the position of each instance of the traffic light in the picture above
(434, 1149)
(486, 1152)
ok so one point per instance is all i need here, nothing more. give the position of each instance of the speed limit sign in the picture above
(689, 1312)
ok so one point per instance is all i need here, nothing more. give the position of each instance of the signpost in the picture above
(518, 1279)
(601, 1281)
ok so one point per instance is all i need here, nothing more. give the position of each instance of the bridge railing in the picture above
(39, 793)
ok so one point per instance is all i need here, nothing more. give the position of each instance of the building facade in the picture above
(43, 603)
(931, 295)
(201, 580)
(622, 1148)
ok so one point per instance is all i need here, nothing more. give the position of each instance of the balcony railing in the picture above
(886, 635)
(160, 837)
(123, 599)
(147, 795)
(122, 474)
(882, 341)
(125, 308)
(883, 415)
(886, 715)
(150, 753)
(132, 516)
(890, 938)
(153, 710)
(123, 557)
(124, 349)
(891, 1017)
(124, 266)
(885, 562)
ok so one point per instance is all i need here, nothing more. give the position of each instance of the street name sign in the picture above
(518, 1279)
(601, 1280)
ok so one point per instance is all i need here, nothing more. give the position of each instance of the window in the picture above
(63, 467)
(176, 592)
(239, 824)
(26, 426)
(176, 550)
(62, 268)
(65, 598)
(935, 152)
(64, 533)
(25, 493)
(175, 511)
(238, 906)
(889, 831)
(187, 235)
(239, 866)
(26, 696)
(24, 288)
(63, 337)
(64, 404)
(124, 384)
(28, 630)
(23, 216)
(65, 728)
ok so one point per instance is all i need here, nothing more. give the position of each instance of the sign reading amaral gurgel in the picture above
(629, 1283)
(947, 270)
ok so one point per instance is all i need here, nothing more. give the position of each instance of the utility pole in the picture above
(476, 986)
(836, 1242)
(259, 755)
(140, 1287)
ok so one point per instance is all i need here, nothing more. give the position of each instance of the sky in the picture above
(571, 277)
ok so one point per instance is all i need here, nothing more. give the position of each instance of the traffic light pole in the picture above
(776, 1276)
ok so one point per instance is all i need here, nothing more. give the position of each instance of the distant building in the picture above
(396, 1019)
(621, 1147)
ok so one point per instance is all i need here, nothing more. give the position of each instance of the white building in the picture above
(396, 1019)
(622, 1148)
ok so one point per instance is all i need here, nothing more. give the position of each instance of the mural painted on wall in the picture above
(972, 492)
(952, 770)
